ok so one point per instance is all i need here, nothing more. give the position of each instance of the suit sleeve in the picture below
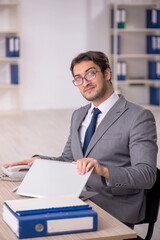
(141, 174)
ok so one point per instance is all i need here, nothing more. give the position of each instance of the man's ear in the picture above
(107, 74)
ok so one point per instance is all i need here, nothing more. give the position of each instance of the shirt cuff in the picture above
(105, 181)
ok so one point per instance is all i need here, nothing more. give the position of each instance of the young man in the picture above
(121, 147)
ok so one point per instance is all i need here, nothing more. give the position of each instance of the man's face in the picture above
(96, 90)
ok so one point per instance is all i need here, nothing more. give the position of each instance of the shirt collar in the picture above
(105, 106)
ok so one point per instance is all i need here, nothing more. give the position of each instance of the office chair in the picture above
(152, 207)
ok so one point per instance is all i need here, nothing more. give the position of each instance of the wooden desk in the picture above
(108, 227)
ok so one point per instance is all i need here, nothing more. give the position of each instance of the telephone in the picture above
(15, 173)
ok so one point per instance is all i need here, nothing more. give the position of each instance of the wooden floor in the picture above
(45, 132)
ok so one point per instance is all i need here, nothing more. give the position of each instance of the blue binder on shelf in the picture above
(121, 70)
(158, 44)
(155, 96)
(120, 18)
(153, 44)
(158, 18)
(112, 18)
(16, 46)
(62, 220)
(9, 46)
(153, 18)
(117, 18)
(12, 46)
(154, 70)
(118, 44)
(14, 73)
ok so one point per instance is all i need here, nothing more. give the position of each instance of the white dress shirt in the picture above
(104, 108)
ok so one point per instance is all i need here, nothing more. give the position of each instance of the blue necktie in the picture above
(90, 130)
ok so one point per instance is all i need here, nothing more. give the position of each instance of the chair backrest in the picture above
(152, 201)
(152, 206)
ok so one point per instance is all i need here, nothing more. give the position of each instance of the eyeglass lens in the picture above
(89, 76)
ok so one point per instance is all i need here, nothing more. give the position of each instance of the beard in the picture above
(99, 93)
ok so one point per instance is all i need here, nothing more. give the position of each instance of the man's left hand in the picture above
(85, 164)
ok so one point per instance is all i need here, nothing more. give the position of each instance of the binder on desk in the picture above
(49, 216)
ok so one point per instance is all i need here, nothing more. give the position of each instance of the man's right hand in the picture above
(28, 162)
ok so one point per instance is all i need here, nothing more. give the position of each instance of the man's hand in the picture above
(28, 162)
(85, 164)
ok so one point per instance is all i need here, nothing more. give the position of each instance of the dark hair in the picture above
(99, 58)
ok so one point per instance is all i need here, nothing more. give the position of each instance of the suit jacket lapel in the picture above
(114, 113)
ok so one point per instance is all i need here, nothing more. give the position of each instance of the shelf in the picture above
(134, 30)
(9, 59)
(133, 60)
(138, 81)
(134, 4)
(9, 86)
(5, 4)
(10, 94)
(10, 112)
(9, 32)
(151, 107)
(145, 56)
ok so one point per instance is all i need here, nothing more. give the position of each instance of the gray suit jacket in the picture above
(124, 142)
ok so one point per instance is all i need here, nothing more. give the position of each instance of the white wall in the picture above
(53, 33)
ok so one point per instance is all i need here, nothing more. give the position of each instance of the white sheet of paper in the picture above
(52, 178)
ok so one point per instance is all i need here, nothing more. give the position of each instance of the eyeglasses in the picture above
(88, 77)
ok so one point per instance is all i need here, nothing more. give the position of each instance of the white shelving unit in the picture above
(133, 49)
(10, 94)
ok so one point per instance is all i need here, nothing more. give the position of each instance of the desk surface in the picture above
(108, 226)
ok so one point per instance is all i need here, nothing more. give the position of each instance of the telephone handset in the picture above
(15, 173)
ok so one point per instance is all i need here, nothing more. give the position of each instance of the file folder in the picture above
(40, 224)
(121, 70)
(118, 44)
(16, 46)
(155, 96)
(153, 18)
(117, 20)
(12, 46)
(153, 44)
(9, 46)
(14, 73)
(154, 70)
(120, 18)
(52, 178)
